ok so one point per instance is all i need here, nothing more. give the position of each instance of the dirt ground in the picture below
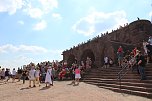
(61, 91)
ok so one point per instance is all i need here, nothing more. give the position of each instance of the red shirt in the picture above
(134, 51)
(77, 71)
(120, 49)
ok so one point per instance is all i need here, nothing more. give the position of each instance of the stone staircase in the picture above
(130, 83)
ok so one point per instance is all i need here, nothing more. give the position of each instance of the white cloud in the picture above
(37, 9)
(33, 49)
(24, 54)
(57, 16)
(97, 22)
(33, 8)
(21, 22)
(35, 12)
(11, 6)
(22, 48)
(16, 61)
(150, 14)
(56, 51)
(49, 5)
(40, 26)
(23, 58)
(20, 60)
(8, 47)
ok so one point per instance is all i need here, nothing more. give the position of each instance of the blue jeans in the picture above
(142, 72)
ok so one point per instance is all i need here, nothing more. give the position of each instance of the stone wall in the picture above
(128, 36)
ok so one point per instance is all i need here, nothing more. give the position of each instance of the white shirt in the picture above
(37, 73)
(150, 41)
(144, 44)
(32, 74)
(14, 72)
(106, 59)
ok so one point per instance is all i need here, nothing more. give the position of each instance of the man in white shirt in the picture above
(105, 61)
(13, 74)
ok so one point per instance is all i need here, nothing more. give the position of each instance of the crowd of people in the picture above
(46, 72)
(135, 59)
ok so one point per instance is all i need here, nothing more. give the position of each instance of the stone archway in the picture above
(71, 60)
(108, 50)
(88, 53)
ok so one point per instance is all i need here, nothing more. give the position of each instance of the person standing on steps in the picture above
(106, 62)
(141, 66)
(144, 47)
(110, 62)
(120, 55)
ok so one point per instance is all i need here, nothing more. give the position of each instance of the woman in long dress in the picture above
(32, 76)
(48, 79)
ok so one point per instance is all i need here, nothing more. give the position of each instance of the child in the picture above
(77, 75)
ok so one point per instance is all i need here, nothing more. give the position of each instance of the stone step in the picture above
(140, 91)
(130, 82)
(129, 87)
(116, 69)
(115, 80)
(138, 84)
(116, 73)
(111, 71)
(147, 66)
(126, 91)
(128, 74)
(115, 77)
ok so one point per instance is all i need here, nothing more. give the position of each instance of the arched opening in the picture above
(71, 60)
(108, 51)
(88, 53)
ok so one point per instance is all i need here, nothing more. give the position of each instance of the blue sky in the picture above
(39, 30)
